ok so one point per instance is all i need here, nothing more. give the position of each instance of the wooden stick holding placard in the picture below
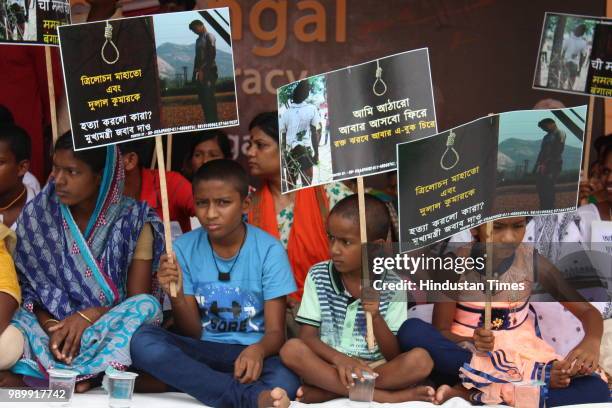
(169, 151)
(159, 148)
(587, 138)
(364, 258)
(488, 241)
(51, 89)
(584, 174)
(154, 159)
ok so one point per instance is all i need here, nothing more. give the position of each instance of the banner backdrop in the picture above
(481, 51)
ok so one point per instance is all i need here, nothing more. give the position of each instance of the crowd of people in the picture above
(269, 305)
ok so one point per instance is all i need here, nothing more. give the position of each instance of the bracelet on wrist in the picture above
(85, 317)
(54, 321)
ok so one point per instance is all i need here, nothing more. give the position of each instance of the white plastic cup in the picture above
(527, 394)
(62, 382)
(120, 388)
(362, 393)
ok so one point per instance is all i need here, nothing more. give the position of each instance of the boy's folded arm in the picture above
(387, 342)
(186, 315)
(274, 317)
(310, 336)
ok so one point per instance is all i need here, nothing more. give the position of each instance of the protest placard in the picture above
(511, 164)
(574, 55)
(32, 22)
(147, 76)
(345, 124)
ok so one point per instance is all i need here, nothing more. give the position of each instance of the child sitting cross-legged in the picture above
(232, 280)
(332, 343)
(483, 366)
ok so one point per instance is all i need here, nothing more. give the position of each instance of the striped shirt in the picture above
(326, 304)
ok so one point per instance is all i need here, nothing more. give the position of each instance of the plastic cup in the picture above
(527, 394)
(63, 382)
(362, 393)
(120, 388)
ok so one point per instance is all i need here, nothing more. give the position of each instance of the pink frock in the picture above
(519, 354)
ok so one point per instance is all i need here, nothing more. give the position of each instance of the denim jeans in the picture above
(205, 369)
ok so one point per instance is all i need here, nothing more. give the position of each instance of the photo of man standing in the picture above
(300, 129)
(549, 162)
(574, 54)
(205, 70)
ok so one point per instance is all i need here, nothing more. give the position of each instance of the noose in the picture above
(108, 34)
(379, 81)
(450, 142)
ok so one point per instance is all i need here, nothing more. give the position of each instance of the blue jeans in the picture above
(448, 357)
(205, 369)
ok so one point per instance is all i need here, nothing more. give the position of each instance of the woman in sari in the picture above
(85, 254)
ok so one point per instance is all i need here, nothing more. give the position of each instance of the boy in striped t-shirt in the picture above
(332, 346)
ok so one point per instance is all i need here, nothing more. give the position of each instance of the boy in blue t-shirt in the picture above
(232, 280)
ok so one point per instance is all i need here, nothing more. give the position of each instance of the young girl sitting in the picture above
(488, 362)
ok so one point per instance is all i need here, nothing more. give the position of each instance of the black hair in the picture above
(94, 158)
(189, 4)
(301, 91)
(142, 148)
(546, 121)
(225, 170)
(220, 136)
(580, 30)
(6, 116)
(17, 140)
(195, 23)
(606, 151)
(267, 122)
(601, 142)
(378, 219)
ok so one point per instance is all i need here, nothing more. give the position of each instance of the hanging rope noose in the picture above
(450, 142)
(108, 34)
(379, 81)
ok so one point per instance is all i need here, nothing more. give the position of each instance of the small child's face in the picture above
(344, 243)
(11, 171)
(508, 234)
(219, 207)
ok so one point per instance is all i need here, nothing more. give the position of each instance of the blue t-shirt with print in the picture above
(233, 311)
